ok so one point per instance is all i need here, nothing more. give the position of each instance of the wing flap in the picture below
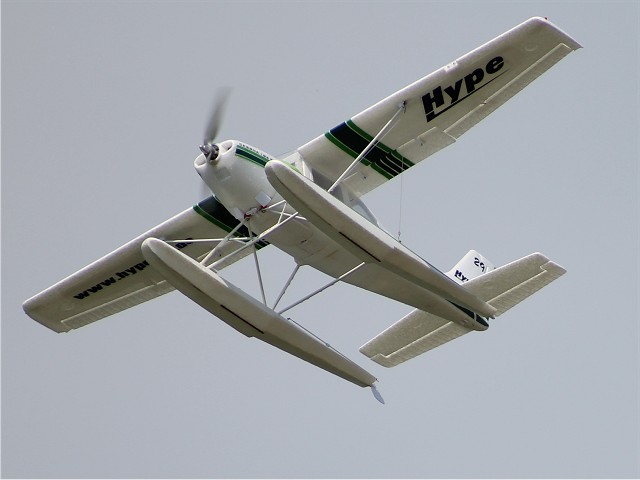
(426, 144)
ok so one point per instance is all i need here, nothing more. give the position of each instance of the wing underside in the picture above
(439, 108)
(122, 278)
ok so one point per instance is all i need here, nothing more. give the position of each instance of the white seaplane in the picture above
(308, 205)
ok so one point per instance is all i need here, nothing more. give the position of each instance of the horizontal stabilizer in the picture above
(510, 284)
(246, 314)
(416, 333)
(503, 288)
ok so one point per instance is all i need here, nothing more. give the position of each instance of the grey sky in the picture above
(103, 106)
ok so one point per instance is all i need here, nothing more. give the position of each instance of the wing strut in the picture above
(253, 240)
(224, 241)
(321, 289)
(286, 286)
(386, 129)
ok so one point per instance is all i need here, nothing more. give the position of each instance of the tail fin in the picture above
(472, 265)
(503, 288)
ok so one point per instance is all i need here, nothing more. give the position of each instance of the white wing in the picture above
(122, 279)
(439, 108)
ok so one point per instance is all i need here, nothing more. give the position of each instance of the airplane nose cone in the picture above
(215, 163)
(210, 151)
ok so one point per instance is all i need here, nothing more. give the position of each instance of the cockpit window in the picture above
(347, 197)
(341, 192)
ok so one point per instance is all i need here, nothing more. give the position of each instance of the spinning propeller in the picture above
(209, 148)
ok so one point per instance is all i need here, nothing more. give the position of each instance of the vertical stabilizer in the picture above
(472, 265)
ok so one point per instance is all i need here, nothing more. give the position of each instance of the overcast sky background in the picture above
(103, 107)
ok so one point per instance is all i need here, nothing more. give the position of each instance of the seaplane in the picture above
(308, 204)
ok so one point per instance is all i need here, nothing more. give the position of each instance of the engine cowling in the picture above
(235, 174)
